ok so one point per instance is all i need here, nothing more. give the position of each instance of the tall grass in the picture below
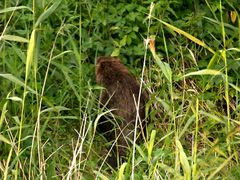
(49, 99)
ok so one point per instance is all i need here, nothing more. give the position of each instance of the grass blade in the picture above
(30, 53)
(7, 164)
(4, 111)
(121, 171)
(47, 13)
(14, 38)
(10, 9)
(150, 145)
(15, 80)
(5, 140)
(187, 35)
(183, 160)
(220, 167)
(204, 72)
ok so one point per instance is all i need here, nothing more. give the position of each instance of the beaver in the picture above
(120, 94)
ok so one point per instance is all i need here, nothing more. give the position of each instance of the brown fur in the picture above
(121, 94)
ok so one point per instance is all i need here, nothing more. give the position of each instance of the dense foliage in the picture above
(49, 97)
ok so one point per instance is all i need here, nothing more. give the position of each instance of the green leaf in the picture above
(235, 87)
(10, 9)
(55, 109)
(187, 35)
(115, 43)
(222, 165)
(212, 116)
(14, 38)
(30, 53)
(115, 52)
(165, 68)
(183, 160)
(121, 171)
(140, 150)
(212, 61)
(123, 41)
(150, 145)
(170, 170)
(15, 98)
(100, 175)
(47, 13)
(136, 28)
(61, 54)
(3, 115)
(204, 72)
(66, 72)
(15, 80)
(5, 140)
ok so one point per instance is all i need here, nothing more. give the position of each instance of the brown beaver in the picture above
(120, 95)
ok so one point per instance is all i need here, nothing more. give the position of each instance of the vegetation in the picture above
(188, 55)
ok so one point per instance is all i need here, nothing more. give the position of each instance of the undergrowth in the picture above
(188, 54)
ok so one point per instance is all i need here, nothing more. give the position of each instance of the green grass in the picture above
(49, 104)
